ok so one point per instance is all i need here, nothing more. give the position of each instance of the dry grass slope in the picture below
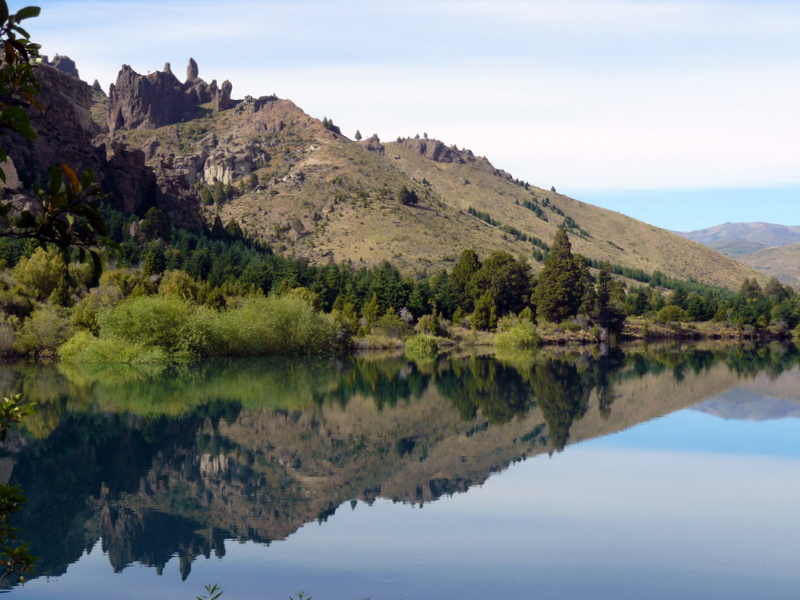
(326, 198)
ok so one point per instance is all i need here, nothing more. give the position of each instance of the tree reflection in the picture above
(254, 450)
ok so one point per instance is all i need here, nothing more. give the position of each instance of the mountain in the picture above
(300, 185)
(739, 239)
(781, 262)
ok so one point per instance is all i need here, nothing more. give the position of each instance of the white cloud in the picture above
(602, 94)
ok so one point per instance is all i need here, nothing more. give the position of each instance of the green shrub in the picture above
(44, 331)
(84, 348)
(521, 335)
(40, 273)
(422, 347)
(149, 320)
(671, 314)
(391, 325)
(276, 325)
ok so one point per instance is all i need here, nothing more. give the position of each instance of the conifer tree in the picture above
(559, 288)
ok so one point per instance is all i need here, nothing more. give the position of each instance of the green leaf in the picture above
(27, 13)
(3, 11)
(87, 179)
(22, 32)
(56, 180)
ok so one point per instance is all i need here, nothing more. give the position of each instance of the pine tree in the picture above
(559, 288)
(484, 311)
(156, 261)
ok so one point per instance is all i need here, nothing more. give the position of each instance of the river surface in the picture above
(644, 473)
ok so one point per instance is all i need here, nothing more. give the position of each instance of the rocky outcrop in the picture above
(159, 99)
(437, 151)
(179, 200)
(64, 125)
(131, 183)
(373, 144)
(221, 97)
(64, 64)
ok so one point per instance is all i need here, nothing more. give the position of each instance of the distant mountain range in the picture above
(770, 248)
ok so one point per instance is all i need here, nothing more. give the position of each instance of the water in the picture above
(653, 473)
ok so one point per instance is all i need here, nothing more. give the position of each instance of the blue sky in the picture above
(679, 113)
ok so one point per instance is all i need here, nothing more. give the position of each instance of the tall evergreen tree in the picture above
(468, 264)
(507, 279)
(559, 287)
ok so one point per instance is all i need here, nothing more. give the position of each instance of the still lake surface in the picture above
(645, 473)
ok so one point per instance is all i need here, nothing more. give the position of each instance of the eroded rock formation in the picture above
(64, 64)
(159, 99)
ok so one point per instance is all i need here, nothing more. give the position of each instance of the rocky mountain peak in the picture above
(159, 99)
(62, 63)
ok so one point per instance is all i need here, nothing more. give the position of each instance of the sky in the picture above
(680, 113)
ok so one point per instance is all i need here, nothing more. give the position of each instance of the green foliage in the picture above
(428, 324)
(422, 347)
(84, 348)
(407, 197)
(535, 208)
(391, 325)
(12, 411)
(559, 287)
(41, 273)
(155, 226)
(671, 314)
(328, 124)
(213, 592)
(517, 334)
(483, 216)
(156, 261)
(506, 279)
(371, 310)
(44, 331)
(484, 317)
(274, 326)
(16, 561)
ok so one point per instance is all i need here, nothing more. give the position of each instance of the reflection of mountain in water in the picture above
(747, 405)
(176, 462)
(759, 398)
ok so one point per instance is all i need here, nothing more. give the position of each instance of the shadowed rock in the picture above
(159, 99)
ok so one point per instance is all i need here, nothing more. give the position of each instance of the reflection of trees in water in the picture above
(93, 476)
(482, 383)
(386, 382)
(562, 396)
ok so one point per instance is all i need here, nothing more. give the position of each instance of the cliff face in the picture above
(68, 134)
(159, 99)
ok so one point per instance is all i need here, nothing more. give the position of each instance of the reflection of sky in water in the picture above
(688, 506)
(690, 430)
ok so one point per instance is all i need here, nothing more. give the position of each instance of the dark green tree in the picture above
(507, 279)
(485, 310)
(155, 262)
(464, 270)
(155, 226)
(559, 287)
(608, 314)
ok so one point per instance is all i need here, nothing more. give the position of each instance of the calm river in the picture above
(650, 473)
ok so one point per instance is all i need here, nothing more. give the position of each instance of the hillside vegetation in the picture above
(781, 262)
(295, 183)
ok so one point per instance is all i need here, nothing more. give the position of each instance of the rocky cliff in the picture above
(68, 134)
(158, 99)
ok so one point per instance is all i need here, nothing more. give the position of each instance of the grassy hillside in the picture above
(782, 262)
(311, 192)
